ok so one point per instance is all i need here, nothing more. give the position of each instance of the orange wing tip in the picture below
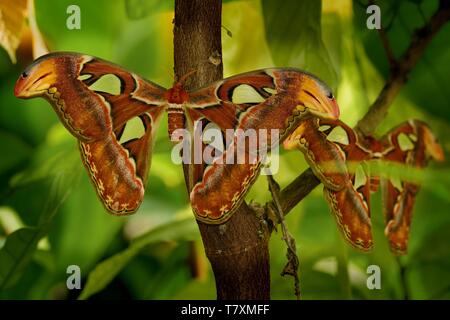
(397, 237)
(120, 213)
(360, 236)
(209, 214)
(19, 87)
(209, 217)
(318, 98)
(433, 147)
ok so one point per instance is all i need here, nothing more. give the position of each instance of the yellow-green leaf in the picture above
(12, 19)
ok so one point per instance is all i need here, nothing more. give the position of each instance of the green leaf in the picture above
(238, 17)
(15, 254)
(83, 230)
(427, 83)
(17, 151)
(107, 270)
(52, 157)
(294, 35)
(138, 9)
(198, 290)
(27, 119)
(148, 279)
(428, 270)
(12, 20)
(20, 246)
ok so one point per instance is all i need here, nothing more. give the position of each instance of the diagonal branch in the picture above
(386, 45)
(306, 182)
(404, 65)
(387, 49)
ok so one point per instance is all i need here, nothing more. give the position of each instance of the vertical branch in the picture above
(238, 249)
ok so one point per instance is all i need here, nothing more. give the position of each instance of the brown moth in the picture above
(285, 98)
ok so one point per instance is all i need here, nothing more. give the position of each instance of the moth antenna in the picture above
(183, 79)
(228, 31)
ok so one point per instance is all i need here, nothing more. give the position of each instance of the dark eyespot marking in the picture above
(42, 77)
(326, 89)
(25, 74)
(312, 96)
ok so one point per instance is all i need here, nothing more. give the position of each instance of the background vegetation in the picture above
(50, 216)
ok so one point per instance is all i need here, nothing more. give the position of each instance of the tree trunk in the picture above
(237, 249)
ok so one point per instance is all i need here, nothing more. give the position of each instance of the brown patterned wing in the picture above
(336, 156)
(96, 101)
(264, 101)
(412, 144)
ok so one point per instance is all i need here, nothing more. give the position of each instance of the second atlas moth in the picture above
(413, 144)
(339, 158)
(336, 156)
(270, 99)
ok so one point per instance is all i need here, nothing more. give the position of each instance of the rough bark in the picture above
(237, 250)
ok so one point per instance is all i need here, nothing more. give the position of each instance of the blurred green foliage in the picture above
(50, 217)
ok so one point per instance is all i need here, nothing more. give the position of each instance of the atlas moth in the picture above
(281, 99)
(340, 162)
